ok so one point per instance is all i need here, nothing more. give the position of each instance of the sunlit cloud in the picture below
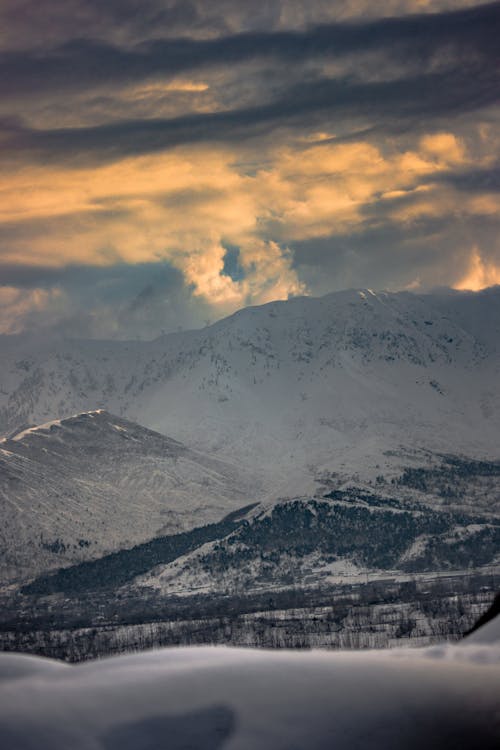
(310, 145)
(152, 89)
(481, 273)
(186, 205)
(180, 203)
(445, 148)
(268, 275)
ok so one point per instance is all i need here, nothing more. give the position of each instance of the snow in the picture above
(100, 483)
(42, 429)
(265, 404)
(278, 396)
(240, 699)
(291, 388)
(489, 633)
(37, 429)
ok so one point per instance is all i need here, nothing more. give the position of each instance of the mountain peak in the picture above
(283, 386)
(51, 426)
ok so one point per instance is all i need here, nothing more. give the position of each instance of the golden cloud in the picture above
(164, 87)
(445, 148)
(480, 273)
(185, 205)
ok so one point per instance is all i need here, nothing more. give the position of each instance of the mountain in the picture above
(78, 488)
(354, 382)
(341, 537)
(368, 395)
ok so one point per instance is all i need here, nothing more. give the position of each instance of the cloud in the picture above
(474, 180)
(311, 216)
(389, 105)
(88, 61)
(191, 201)
(434, 253)
(20, 307)
(445, 148)
(117, 301)
(267, 275)
(29, 24)
(445, 62)
(481, 273)
(145, 299)
(244, 151)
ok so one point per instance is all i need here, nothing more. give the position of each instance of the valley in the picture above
(305, 450)
(373, 613)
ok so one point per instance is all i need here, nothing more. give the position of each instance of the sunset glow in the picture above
(281, 141)
(480, 274)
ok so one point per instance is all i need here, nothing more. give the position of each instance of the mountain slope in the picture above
(295, 543)
(289, 389)
(341, 537)
(75, 489)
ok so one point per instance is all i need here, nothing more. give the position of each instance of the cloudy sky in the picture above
(165, 162)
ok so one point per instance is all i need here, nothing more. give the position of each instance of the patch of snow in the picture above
(37, 429)
(489, 633)
(242, 699)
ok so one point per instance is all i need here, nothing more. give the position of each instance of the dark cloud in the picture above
(390, 255)
(84, 83)
(389, 105)
(447, 64)
(126, 279)
(31, 24)
(473, 180)
(36, 24)
(87, 62)
(118, 301)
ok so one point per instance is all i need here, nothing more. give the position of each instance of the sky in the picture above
(166, 162)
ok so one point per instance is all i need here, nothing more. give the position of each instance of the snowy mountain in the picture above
(290, 389)
(393, 392)
(78, 488)
(340, 538)
(439, 520)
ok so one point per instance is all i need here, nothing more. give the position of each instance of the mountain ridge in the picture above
(77, 488)
(284, 398)
(262, 385)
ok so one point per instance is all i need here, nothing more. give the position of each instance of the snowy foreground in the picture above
(208, 698)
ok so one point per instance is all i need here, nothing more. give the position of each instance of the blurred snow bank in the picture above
(236, 699)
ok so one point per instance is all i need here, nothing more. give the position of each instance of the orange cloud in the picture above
(445, 148)
(480, 273)
(148, 207)
(186, 205)
(325, 189)
(152, 89)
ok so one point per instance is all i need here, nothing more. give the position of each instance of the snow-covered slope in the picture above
(487, 628)
(489, 633)
(75, 489)
(289, 389)
(241, 699)
(340, 538)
